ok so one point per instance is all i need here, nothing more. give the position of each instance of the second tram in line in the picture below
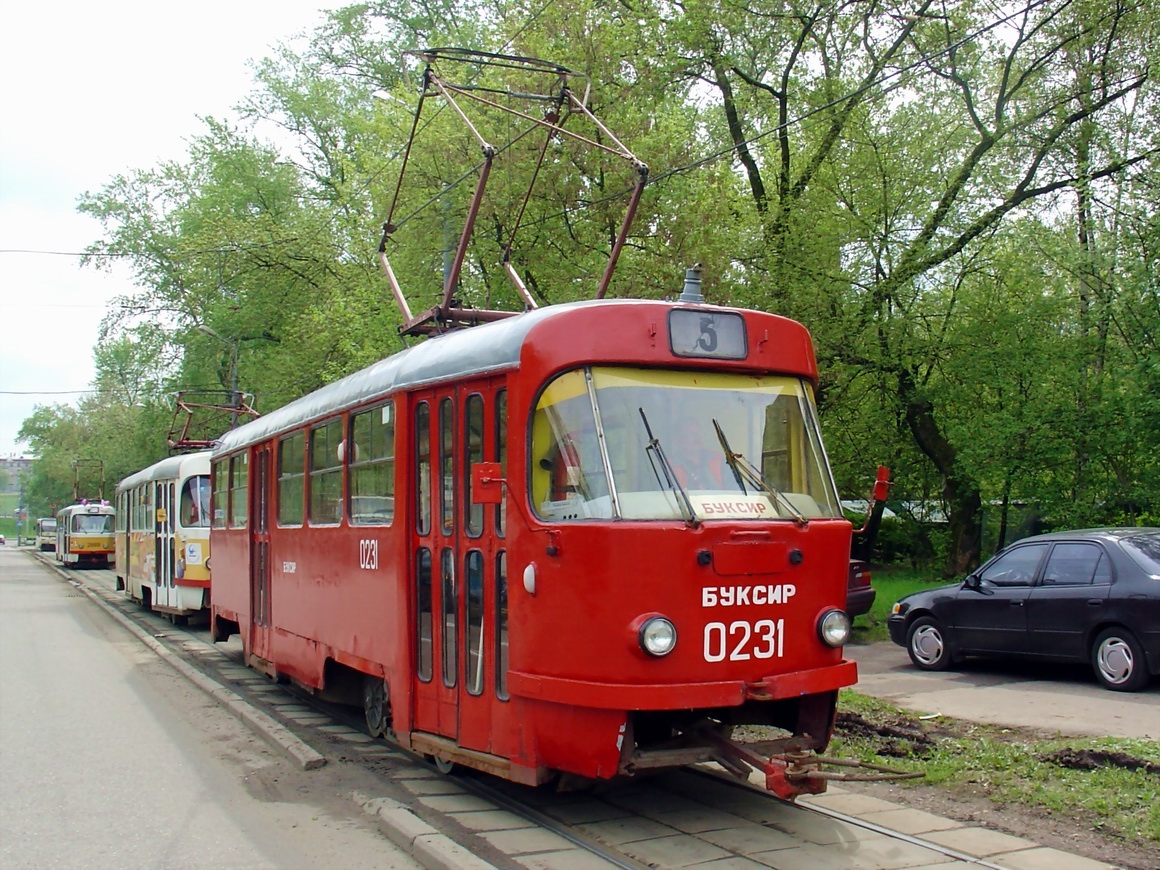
(162, 544)
(84, 534)
(506, 546)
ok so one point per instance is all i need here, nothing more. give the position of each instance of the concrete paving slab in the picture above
(696, 821)
(456, 803)
(1042, 858)
(527, 842)
(908, 821)
(734, 863)
(820, 830)
(678, 850)
(649, 803)
(629, 829)
(429, 786)
(579, 810)
(493, 820)
(572, 859)
(749, 837)
(851, 804)
(979, 842)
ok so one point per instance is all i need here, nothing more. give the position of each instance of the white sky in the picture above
(88, 91)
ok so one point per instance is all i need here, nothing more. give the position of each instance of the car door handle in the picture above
(1018, 603)
(1095, 602)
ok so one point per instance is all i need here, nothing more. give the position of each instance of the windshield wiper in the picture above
(744, 470)
(657, 457)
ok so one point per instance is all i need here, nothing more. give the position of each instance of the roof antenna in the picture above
(692, 291)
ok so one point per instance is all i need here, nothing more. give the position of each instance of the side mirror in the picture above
(487, 483)
(972, 581)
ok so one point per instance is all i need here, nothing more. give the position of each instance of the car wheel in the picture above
(1118, 660)
(927, 644)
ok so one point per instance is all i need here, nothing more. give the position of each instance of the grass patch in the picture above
(1105, 784)
(890, 585)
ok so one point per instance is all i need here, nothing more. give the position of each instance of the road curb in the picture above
(424, 843)
(265, 726)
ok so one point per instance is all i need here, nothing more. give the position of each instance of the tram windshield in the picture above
(92, 524)
(646, 444)
(195, 502)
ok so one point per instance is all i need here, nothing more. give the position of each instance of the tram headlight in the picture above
(657, 636)
(834, 628)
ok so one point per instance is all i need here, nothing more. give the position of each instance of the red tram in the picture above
(507, 546)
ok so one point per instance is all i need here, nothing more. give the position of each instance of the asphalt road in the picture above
(1063, 699)
(109, 758)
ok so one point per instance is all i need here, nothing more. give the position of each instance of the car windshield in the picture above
(1145, 550)
(644, 444)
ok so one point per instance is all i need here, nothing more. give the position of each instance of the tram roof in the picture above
(478, 350)
(166, 468)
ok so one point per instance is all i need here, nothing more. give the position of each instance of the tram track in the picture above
(667, 820)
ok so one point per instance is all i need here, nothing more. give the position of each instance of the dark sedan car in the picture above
(1085, 596)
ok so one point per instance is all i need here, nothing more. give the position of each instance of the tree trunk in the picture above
(961, 494)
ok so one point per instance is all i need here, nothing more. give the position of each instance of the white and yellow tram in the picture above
(162, 543)
(84, 533)
(46, 533)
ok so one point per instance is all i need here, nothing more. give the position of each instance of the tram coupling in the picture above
(797, 771)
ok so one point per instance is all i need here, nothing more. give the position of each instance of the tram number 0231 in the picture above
(741, 641)
(368, 555)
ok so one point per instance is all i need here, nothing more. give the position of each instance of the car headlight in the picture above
(657, 636)
(834, 628)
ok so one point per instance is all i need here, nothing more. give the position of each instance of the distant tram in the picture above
(46, 533)
(505, 546)
(163, 546)
(84, 534)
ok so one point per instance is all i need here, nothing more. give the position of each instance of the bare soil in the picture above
(972, 803)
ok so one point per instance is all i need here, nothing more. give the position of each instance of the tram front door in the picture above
(458, 566)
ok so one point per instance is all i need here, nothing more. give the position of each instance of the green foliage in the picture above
(962, 212)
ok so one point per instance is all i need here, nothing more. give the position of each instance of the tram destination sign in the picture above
(707, 334)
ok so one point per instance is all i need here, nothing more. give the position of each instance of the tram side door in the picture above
(434, 563)
(261, 631)
(479, 529)
(163, 589)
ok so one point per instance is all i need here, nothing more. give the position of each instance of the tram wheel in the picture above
(375, 705)
(443, 765)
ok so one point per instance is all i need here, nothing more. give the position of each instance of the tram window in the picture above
(372, 467)
(326, 473)
(221, 492)
(473, 450)
(450, 604)
(291, 479)
(92, 524)
(423, 468)
(501, 457)
(568, 476)
(473, 661)
(447, 465)
(423, 625)
(501, 626)
(195, 502)
(239, 490)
